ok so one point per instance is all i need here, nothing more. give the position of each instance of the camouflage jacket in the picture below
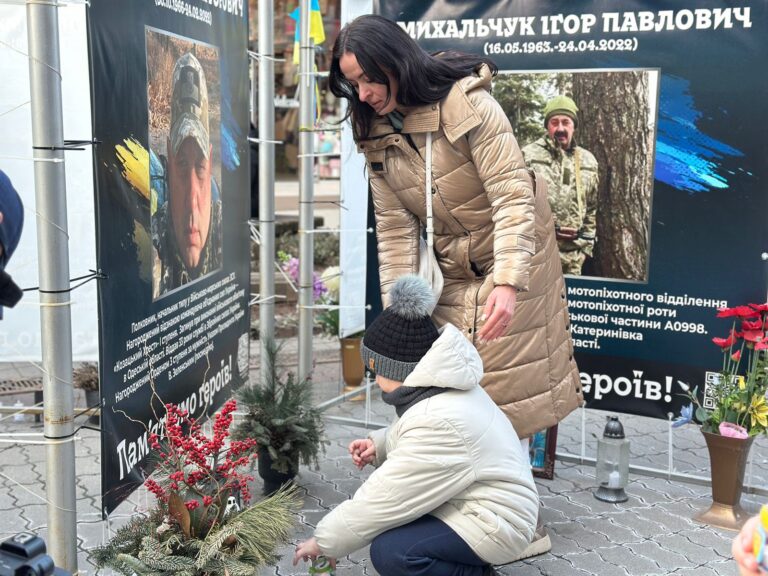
(572, 178)
(169, 271)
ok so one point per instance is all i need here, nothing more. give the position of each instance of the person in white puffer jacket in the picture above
(452, 493)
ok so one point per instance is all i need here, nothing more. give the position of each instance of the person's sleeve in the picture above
(429, 466)
(379, 439)
(397, 236)
(501, 168)
(589, 227)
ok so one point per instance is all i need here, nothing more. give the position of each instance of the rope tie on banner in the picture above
(33, 159)
(336, 230)
(36, 495)
(317, 129)
(94, 275)
(22, 411)
(257, 56)
(338, 203)
(262, 141)
(15, 107)
(48, 442)
(43, 218)
(255, 299)
(70, 145)
(58, 73)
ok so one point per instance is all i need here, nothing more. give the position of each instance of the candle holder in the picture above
(612, 463)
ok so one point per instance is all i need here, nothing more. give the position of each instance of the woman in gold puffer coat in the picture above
(493, 230)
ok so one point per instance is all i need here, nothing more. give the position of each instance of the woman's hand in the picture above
(498, 313)
(363, 452)
(306, 550)
(742, 549)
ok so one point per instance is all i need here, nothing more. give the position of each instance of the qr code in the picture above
(710, 379)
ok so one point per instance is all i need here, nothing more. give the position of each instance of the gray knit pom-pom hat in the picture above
(400, 336)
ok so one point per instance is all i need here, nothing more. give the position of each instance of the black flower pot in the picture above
(273, 480)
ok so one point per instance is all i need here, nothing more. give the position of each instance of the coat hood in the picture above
(451, 362)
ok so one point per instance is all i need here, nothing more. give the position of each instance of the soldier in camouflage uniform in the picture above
(571, 174)
(186, 228)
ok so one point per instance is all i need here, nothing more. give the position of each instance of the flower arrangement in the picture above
(735, 402)
(197, 527)
(290, 265)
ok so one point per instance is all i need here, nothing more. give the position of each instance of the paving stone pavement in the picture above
(651, 534)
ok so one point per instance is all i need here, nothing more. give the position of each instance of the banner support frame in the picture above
(53, 266)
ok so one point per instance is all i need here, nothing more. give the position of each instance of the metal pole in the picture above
(306, 192)
(266, 124)
(53, 265)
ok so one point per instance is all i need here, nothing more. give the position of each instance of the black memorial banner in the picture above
(670, 102)
(170, 90)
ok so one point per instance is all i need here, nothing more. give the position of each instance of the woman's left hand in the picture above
(498, 312)
(307, 550)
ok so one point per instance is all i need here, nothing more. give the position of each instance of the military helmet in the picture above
(561, 105)
(189, 104)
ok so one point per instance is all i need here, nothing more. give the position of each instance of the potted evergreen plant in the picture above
(282, 419)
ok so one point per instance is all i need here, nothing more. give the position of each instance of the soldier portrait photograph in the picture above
(590, 136)
(185, 165)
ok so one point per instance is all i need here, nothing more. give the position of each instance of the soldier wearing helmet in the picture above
(571, 172)
(186, 229)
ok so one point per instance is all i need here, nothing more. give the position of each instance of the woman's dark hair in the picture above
(381, 46)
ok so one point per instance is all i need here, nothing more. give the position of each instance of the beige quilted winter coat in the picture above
(490, 229)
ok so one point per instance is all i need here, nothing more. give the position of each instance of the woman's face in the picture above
(372, 93)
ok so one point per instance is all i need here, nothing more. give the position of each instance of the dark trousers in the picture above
(424, 547)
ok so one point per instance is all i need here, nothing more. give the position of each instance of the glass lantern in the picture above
(612, 463)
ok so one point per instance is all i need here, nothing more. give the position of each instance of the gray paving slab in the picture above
(653, 533)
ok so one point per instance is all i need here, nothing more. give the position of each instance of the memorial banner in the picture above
(664, 208)
(170, 109)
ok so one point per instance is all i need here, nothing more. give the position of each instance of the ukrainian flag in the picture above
(316, 33)
(316, 29)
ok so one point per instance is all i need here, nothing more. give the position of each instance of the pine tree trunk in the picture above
(615, 127)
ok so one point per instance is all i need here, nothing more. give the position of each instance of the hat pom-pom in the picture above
(411, 297)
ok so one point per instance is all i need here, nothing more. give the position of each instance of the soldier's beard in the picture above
(562, 134)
